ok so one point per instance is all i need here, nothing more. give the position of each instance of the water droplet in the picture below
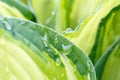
(67, 48)
(58, 61)
(45, 40)
(7, 26)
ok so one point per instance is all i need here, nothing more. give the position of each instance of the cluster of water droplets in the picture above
(68, 31)
(51, 50)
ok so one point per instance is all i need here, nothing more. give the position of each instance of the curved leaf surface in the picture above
(33, 51)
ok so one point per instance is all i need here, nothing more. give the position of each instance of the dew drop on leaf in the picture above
(67, 49)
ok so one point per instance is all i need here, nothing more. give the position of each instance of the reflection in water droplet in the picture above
(6, 25)
(45, 40)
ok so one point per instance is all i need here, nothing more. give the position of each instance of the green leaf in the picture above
(112, 68)
(33, 51)
(84, 35)
(63, 14)
(6, 10)
(22, 8)
(107, 33)
(106, 61)
(43, 9)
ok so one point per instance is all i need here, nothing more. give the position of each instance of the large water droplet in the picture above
(6, 25)
(67, 49)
